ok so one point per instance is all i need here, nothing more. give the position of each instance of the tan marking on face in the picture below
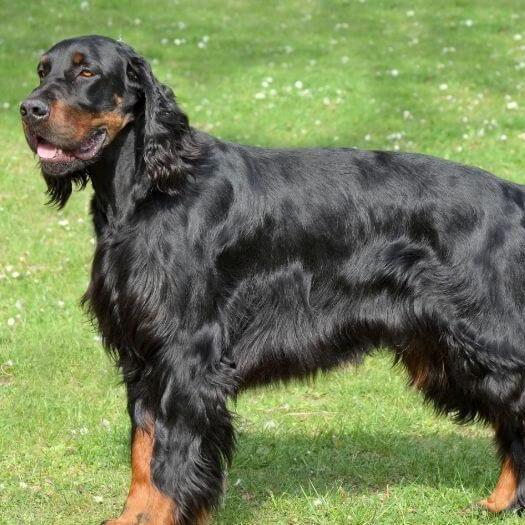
(43, 65)
(74, 125)
(505, 492)
(113, 121)
(145, 504)
(78, 58)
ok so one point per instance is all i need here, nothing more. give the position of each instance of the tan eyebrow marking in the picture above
(43, 65)
(78, 58)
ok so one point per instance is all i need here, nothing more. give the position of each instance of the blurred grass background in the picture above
(444, 78)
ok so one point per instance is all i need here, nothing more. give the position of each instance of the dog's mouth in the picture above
(88, 149)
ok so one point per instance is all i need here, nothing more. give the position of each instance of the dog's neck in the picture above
(114, 177)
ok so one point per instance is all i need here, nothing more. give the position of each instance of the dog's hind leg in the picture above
(504, 494)
(509, 493)
(467, 396)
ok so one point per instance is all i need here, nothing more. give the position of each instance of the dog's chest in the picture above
(133, 289)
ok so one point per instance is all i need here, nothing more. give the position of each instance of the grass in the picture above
(354, 447)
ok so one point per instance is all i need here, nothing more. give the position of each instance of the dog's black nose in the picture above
(34, 109)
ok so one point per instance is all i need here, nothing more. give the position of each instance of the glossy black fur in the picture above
(220, 266)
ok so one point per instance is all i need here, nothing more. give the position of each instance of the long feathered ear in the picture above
(170, 149)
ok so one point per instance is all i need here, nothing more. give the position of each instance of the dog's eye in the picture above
(86, 73)
(41, 73)
(132, 75)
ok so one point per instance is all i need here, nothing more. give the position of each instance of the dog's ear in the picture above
(169, 146)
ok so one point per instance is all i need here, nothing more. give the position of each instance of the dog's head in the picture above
(90, 89)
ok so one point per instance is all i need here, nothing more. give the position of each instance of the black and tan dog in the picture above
(220, 266)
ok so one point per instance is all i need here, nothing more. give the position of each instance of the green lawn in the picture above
(356, 446)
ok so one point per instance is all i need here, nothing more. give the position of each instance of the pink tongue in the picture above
(46, 150)
(49, 152)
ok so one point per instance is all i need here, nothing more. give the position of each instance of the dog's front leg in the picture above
(145, 502)
(179, 456)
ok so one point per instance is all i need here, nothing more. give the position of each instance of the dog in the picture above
(220, 266)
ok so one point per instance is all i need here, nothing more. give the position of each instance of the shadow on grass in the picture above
(359, 463)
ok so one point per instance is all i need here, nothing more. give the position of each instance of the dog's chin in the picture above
(63, 169)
